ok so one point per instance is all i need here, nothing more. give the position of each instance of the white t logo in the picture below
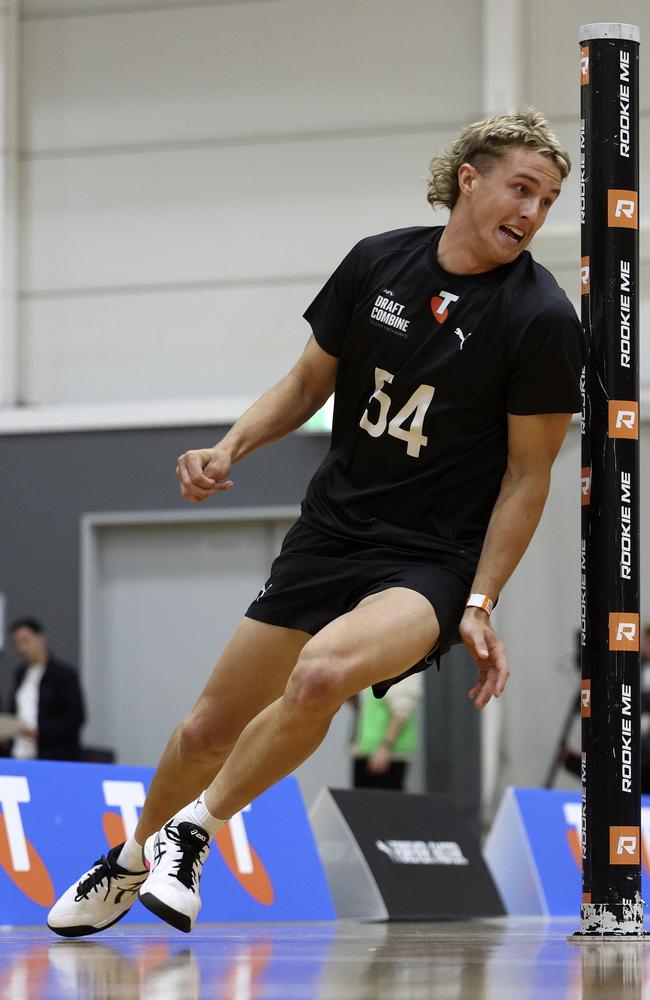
(12, 791)
(241, 846)
(128, 796)
(445, 299)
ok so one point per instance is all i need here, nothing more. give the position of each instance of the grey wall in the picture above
(49, 481)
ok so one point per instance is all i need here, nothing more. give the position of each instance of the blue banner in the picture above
(57, 818)
(534, 851)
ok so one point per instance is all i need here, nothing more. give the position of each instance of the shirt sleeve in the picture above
(546, 364)
(403, 697)
(330, 312)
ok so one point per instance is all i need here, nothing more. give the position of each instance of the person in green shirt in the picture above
(386, 734)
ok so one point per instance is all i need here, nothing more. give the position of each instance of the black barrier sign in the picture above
(609, 571)
(425, 861)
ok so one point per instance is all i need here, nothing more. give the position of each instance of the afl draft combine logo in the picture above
(387, 314)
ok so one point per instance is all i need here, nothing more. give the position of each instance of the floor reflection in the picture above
(470, 960)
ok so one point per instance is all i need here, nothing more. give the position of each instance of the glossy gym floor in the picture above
(500, 959)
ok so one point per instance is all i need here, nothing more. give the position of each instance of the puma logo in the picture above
(461, 336)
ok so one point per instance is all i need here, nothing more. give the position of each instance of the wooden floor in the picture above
(505, 959)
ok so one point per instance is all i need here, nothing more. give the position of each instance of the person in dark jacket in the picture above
(46, 697)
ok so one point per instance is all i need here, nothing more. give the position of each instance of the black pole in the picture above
(611, 770)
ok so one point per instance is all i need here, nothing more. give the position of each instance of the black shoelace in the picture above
(95, 879)
(101, 873)
(190, 855)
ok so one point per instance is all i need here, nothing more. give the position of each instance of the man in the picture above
(455, 361)
(386, 732)
(46, 698)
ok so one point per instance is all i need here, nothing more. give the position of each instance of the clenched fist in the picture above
(203, 472)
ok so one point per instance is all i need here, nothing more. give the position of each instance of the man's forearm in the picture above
(278, 412)
(395, 727)
(513, 522)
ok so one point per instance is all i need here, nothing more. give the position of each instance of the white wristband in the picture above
(483, 601)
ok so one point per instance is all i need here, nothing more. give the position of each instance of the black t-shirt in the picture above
(430, 364)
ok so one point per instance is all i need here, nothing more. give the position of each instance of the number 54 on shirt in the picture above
(417, 406)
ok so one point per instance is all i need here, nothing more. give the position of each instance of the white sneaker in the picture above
(98, 900)
(178, 853)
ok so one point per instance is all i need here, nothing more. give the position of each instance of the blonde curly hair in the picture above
(486, 141)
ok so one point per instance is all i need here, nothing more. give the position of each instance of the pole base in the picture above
(611, 920)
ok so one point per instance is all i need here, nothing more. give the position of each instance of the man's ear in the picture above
(467, 176)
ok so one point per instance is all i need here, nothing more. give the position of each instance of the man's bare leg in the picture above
(385, 635)
(251, 672)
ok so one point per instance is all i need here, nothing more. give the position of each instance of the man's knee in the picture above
(320, 680)
(205, 736)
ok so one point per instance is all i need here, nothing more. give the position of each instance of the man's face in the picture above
(30, 646)
(507, 206)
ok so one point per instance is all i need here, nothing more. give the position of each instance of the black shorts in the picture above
(318, 577)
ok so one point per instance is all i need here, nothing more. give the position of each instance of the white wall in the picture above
(190, 172)
(190, 175)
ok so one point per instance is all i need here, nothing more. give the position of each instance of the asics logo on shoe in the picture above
(186, 845)
(172, 889)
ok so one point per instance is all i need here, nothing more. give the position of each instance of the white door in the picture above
(161, 600)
